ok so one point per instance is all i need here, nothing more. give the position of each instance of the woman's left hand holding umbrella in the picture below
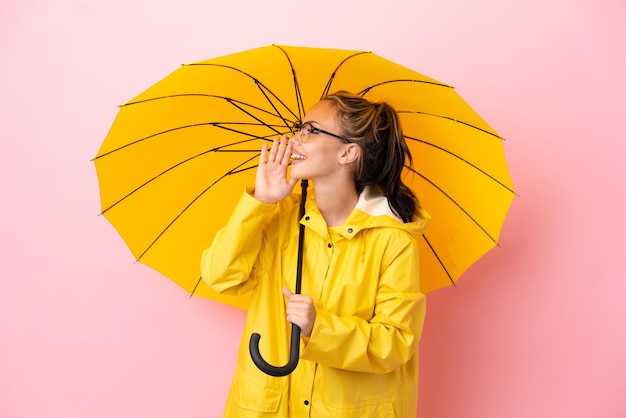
(300, 311)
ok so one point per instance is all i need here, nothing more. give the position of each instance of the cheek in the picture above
(323, 161)
(313, 166)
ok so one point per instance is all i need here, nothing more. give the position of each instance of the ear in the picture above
(349, 154)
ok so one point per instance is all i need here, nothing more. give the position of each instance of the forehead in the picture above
(323, 112)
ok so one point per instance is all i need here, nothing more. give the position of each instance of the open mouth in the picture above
(297, 157)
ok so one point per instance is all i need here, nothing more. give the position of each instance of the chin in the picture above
(296, 173)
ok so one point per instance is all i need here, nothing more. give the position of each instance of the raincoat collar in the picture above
(371, 211)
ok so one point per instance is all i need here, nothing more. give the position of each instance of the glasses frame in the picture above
(299, 126)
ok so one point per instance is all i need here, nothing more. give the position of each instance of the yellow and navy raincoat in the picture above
(361, 359)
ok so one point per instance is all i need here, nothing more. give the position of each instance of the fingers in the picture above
(287, 151)
(300, 311)
(273, 150)
(263, 156)
(280, 152)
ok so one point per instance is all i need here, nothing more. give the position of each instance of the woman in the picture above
(360, 310)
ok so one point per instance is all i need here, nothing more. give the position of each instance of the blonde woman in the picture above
(360, 310)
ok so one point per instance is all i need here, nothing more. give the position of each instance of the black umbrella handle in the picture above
(294, 353)
(265, 367)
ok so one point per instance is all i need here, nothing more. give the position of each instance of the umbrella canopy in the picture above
(179, 155)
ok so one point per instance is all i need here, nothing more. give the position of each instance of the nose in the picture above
(295, 138)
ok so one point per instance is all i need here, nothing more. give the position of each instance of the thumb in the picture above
(287, 293)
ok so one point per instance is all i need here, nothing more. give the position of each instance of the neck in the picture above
(336, 201)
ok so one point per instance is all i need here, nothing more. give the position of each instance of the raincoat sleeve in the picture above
(386, 341)
(228, 265)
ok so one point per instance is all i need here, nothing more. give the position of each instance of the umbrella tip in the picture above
(193, 291)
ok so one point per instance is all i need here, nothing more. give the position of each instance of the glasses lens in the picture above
(305, 131)
(303, 128)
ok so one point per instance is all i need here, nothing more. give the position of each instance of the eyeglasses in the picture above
(307, 129)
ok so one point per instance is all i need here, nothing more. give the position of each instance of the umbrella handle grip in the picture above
(267, 368)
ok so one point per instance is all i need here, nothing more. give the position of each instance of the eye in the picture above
(308, 128)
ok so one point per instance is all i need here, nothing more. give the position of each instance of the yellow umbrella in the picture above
(179, 155)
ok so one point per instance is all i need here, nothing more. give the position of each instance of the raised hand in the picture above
(271, 184)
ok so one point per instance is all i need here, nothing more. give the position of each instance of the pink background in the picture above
(535, 329)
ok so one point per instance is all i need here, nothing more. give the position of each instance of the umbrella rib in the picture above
(266, 137)
(455, 202)
(190, 204)
(403, 80)
(213, 96)
(219, 149)
(259, 120)
(234, 102)
(195, 125)
(474, 166)
(450, 118)
(244, 169)
(332, 75)
(262, 87)
(263, 91)
(432, 249)
(296, 85)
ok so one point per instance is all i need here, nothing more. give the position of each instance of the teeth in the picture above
(297, 157)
